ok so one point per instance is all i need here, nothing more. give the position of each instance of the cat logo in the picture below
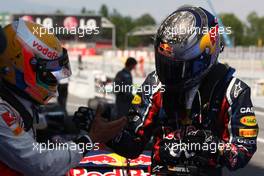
(248, 133)
(249, 120)
(137, 100)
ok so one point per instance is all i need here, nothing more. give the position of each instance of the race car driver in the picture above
(31, 64)
(193, 99)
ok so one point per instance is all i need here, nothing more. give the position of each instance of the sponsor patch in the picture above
(165, 49)
(44, 50)
(8, 118)
(248, 133)
(238, 89)
(245, 110)
(246, 141)
(137, 100)
(12, 124)
(17, 131)
(181, 169)
(249, 120)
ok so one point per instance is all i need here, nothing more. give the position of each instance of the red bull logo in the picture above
(100, 159)
(84, 172)
(116, 160)
(115, 172)
(165, 49)
(104, 160)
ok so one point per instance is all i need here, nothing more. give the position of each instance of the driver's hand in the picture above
(83, 118)
(202, 138)
(102, 131)
(208, 146)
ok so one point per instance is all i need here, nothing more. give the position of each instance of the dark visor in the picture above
(59, 67)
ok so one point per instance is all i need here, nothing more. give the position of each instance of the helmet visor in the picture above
(52, 71)
(173, 72)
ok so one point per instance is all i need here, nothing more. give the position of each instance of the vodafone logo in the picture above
(45, 51)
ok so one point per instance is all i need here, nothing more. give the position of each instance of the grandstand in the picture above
(100, 36)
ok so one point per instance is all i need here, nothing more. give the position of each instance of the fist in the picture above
(102, 130)
(83, 118)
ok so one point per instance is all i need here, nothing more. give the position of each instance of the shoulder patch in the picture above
(235, 88)
(12, 122)
(248, 133)
(8, 118)
(249, 120)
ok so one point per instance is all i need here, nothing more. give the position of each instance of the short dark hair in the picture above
(130, 62)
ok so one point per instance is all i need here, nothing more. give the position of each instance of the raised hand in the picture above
(102, 131)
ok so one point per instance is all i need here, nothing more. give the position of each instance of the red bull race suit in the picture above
(220, 109)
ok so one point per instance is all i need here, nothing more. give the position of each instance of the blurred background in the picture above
(126, 29)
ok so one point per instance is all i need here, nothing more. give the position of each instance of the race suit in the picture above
(232, 122)
(20, 153)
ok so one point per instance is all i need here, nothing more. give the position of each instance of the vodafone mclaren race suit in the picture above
(19, 151)
(222, 105)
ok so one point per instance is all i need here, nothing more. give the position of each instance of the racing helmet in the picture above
(33, 61)
(187, 45)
